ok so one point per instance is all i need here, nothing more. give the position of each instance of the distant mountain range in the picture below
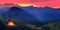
(33, 14)
(46, 14)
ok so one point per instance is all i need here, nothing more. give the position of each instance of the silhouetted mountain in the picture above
(33, 15)
(20, 14)
(44, 14)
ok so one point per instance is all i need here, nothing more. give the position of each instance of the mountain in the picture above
(22, 15)
(32, 15)
(44, 14)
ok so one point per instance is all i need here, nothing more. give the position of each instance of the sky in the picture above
(38, 3)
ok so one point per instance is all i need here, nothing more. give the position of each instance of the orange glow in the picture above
(24, 5)
(10, 24)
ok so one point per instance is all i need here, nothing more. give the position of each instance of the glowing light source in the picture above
(24, 5)
(10, 24)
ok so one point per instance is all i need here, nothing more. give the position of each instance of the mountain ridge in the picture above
(46, 14)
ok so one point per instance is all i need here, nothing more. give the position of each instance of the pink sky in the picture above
(39, 3)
